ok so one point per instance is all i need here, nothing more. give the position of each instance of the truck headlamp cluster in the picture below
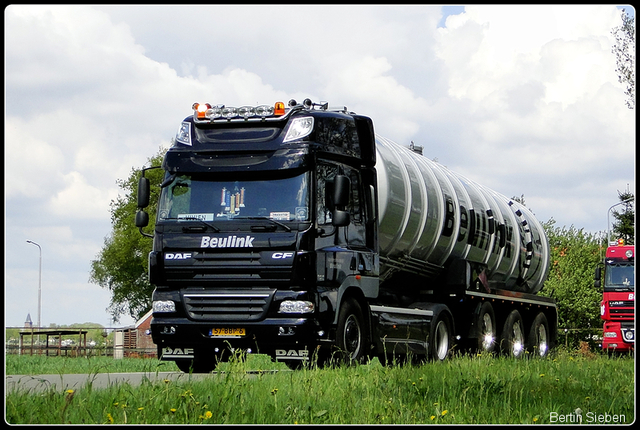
(296, 307)
(206, 111)
(164, 306)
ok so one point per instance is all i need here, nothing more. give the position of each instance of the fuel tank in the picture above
(430, 217)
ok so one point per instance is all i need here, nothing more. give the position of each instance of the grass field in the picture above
(566, 387)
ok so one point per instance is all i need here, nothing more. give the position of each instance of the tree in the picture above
(625, 52)
(574, 256)
(624, 227)
(121, 265)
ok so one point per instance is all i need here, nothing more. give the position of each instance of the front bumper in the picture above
(291, 338)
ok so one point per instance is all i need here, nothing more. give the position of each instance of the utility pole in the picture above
(39, 283)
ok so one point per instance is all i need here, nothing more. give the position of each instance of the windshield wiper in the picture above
(286, 227)
(216, 229)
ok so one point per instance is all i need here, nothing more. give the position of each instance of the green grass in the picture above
(468, 389)
(55, 365)
(43, 365)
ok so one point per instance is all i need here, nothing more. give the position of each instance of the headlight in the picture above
(160, 306)
(296, 307)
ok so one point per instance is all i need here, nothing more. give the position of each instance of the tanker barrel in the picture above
(430, 216)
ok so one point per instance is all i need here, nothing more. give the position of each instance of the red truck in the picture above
(617, 307)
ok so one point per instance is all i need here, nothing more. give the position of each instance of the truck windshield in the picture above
(619, 277)
(190, 197)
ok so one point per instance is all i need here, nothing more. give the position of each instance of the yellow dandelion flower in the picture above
(173, 410)
(542, 375)
(109, 419)
(433, 417)
(207, 415)
(535, 419)
(69, 391)
(445, 412)
(140, 409)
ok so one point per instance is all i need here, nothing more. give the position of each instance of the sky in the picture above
(522, 99)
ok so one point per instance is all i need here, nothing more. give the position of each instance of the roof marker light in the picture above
(279, 108)
(299, 128)
(184, 133)
(201, 109)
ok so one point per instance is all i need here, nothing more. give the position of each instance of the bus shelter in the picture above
(53, 344)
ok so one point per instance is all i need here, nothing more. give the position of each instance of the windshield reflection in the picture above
(190, 197)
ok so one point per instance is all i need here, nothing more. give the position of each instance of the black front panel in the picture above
(227, 305)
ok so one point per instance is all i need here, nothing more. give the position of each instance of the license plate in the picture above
(227, 332)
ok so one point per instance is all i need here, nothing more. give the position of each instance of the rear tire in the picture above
(487, 329)
(512, 339)
(440, 338)
(538, 340)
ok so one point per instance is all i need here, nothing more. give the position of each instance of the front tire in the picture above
(351, 338)
(203, 362)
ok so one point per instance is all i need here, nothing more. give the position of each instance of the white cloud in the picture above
(78, 199)
(30, 161)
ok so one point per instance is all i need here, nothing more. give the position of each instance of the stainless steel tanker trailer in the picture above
(295, 231)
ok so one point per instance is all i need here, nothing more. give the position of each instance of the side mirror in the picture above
(341, 188)
(598, 276)
(143, 193)
(142, 219)
(341, 218)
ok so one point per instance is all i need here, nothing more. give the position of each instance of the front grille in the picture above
(228, 305)
(224, 266)
(621, 309)
(621, 304)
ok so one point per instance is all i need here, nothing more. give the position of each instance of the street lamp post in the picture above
(39, 282)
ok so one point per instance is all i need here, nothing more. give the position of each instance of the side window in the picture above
(324, 181)
(355, 207)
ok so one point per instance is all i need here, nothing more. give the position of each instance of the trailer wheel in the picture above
(351, 337)
(538, 340)
(440, 338)
(487, 328)
(512, 339)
